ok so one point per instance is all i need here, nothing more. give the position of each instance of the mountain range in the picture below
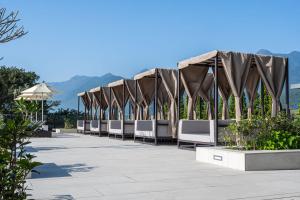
(67, 90)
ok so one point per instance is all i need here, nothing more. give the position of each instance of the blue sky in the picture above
(86, 37)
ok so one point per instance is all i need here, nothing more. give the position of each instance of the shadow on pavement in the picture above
(51, 170)
(31, 149)
(63, 197)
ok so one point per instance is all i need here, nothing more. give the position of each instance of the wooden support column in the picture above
(109, 105)
(287, 88)
(85, 118)
(200, 107)
(91, 106)
(178, 103)
(100, 111)
(78, 107)
(135, 100)
(262, 98)
(155, 104)
(135, 105)
(123, 111)
(216, 99)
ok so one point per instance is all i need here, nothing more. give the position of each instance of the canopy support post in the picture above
(85, 118)
(135, 100)
(287, 87)
(123, 111)
(42, 108)
(200, 107)
(84, 112)
(216, 99)
(135, 106)
(100, 111)
(91, 106)
(109, 105)
(36, 115)
(78, 107)
(155, 105)
(262, 98)
(178, 103)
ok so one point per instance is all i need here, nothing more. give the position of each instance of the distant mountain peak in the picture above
(264, 52)
(79, 83)
(295, 53)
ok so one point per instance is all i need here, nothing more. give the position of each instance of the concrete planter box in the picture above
(250, 160)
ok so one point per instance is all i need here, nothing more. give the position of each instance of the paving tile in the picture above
(88, 167)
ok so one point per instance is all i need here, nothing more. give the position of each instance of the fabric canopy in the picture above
(147, 89)
(251, 88)
(120, 93)
(192, 79)
(170, 79)
(166, 93)
(85, 99)
(239, 74)
(272, 71)
(236, 67)
(224, 91)
(99, 98)
(205, 91)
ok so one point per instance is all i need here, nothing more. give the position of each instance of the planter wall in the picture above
(250, 160)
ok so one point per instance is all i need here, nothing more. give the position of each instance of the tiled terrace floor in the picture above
(89, 167)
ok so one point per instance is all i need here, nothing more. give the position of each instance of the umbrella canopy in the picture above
(39, 92)
(37, 97)
(39, 89)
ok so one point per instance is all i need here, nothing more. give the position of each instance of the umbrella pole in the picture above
(31, 114)
(36, 115)
(42, 108)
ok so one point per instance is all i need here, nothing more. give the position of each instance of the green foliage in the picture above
(231, 107)
(70, 119)
(201, 110)
(267, 102)
(12, 81)
(64, 118)
(183, 107)
(268, 133)
(15, 162)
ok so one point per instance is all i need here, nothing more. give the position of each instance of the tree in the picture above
(12, 81)
(9, 30)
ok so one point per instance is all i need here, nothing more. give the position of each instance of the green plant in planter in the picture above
(244, 133)
(15, 162)
(281, 140)
(270, 133)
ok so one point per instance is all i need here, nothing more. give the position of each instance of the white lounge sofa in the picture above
(115, 127)
(200, 131)
(95, 126)
(83, 126)
(146, 129)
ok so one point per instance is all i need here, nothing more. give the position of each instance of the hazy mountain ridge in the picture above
(68, 90)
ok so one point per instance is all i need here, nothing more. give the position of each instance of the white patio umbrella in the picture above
(39, 92)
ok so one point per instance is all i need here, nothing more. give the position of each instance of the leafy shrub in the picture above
(64, 118)
(270, 133)
(15, 162)
(70, 122)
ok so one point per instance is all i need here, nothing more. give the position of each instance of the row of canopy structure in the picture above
(148, 107)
